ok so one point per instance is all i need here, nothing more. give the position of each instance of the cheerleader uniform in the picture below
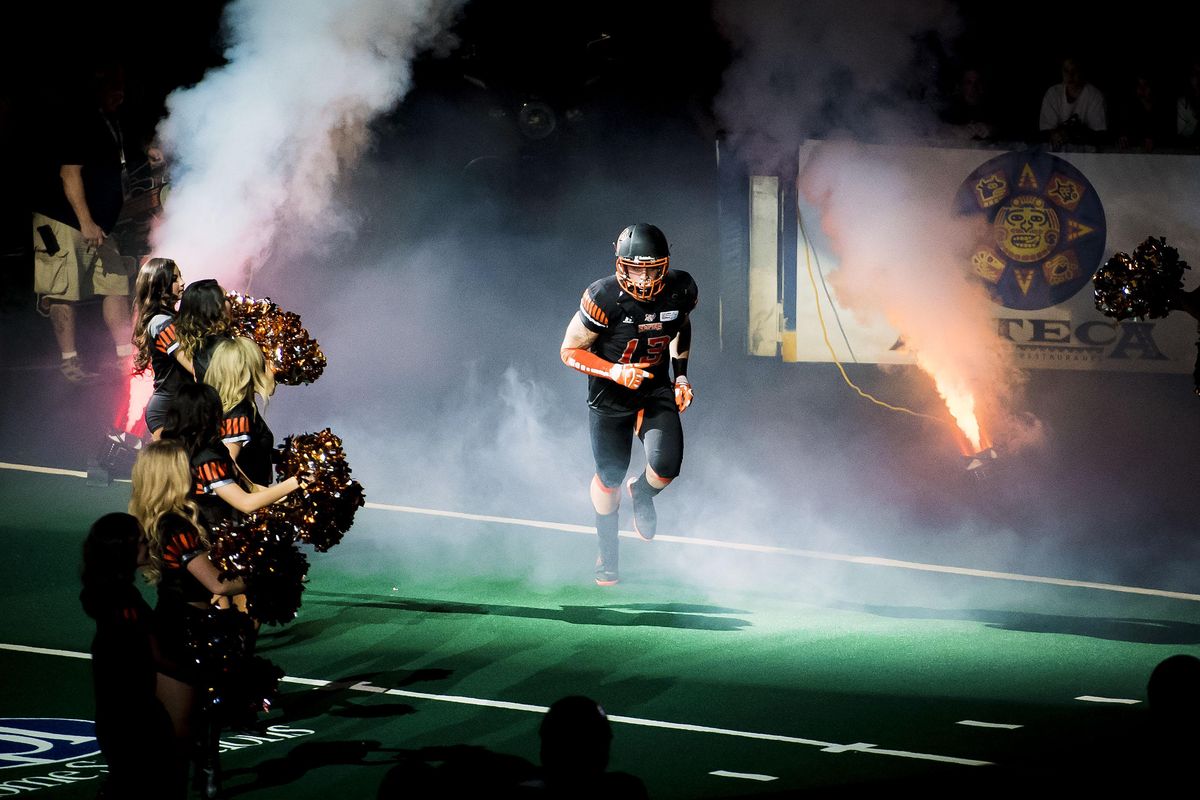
(175, 618)
(243, 425)
(211, 469)
(169, 374)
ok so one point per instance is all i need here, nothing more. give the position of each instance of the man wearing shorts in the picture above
(74, 259)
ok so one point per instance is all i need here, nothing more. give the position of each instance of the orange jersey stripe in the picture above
(590, 308)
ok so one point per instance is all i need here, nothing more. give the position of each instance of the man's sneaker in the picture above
(645, 520)
(73, 371)
(605, 576)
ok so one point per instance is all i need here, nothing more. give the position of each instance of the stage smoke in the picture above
(257, 147)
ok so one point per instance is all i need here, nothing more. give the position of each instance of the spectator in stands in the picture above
(1145, 120)
(1074, 115)
(1187, 109)
(969, 110)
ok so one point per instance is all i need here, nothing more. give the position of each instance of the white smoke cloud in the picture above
(825, 66)
(257, 147)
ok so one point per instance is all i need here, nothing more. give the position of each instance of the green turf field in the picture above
(427, 647)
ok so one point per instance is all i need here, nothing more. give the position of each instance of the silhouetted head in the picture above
(576, 737)
(1173, 694)
(110, 558)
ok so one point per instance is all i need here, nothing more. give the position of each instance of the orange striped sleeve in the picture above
(592, 311)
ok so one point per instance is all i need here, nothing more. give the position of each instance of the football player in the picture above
(628, 327)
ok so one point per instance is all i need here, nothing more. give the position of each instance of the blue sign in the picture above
(1045, 228)
(36, 741)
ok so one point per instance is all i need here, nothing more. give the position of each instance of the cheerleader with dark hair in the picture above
(195, 420)
(204, 319)
(132, 727)
(157, 290)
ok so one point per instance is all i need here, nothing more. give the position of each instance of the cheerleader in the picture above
(156, 292)
(238, 371)
(204, 319)
(186, 579)
(195, 420)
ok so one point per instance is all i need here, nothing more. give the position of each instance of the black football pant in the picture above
(612, 441)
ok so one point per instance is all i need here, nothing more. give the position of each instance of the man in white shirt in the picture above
(1073, 112)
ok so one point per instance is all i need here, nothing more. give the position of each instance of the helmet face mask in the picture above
(642, 260)
(642, 280)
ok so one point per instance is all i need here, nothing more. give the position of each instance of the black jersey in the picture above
(633, 332)
(168, 373)
(181, 543)
(243, 425)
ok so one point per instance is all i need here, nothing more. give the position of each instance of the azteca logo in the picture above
(1045, 228)
(34, 741)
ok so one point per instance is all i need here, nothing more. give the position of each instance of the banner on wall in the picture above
(1054, 218)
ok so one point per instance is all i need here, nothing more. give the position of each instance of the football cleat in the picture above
(645, 520)
(604, 575)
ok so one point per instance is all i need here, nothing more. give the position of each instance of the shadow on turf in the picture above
(335, 699)
(442, 771)
(1135, 631)
(427, 772)
(656, 615)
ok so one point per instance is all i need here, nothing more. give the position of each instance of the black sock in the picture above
(643, 486)
(606, 525)
(606, 532)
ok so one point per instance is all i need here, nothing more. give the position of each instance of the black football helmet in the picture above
(642, 260)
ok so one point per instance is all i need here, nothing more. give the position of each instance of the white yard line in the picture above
(362, 686)
(872, 561)
(1121, 701)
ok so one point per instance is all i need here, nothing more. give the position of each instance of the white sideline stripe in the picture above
(363, 686)
(872, 561)
(789, 551)
(72, 473)
(1125, 701)
(974, 723)
(749, 776)
(45, 651)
